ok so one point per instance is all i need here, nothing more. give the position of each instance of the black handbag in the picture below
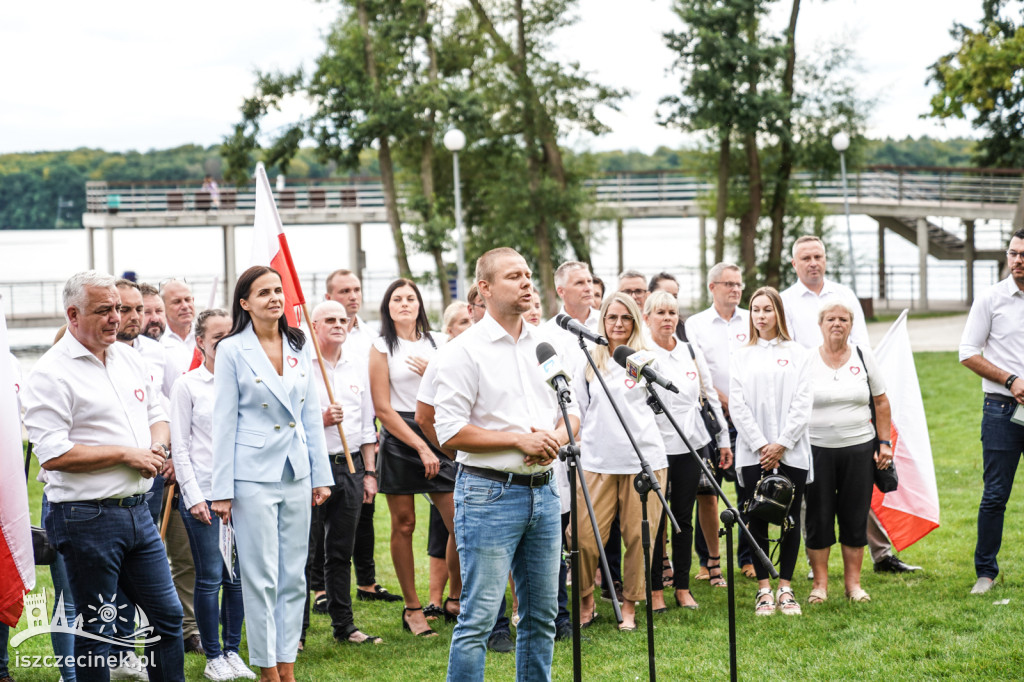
(45, 553)
(773, 496)
(886, 480)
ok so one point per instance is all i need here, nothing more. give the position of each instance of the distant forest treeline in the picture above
(47, 189)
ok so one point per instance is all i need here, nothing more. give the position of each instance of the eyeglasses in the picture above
(625, 319)
(731, 285)
(1014, 255)
(481, 306)
(633, 292)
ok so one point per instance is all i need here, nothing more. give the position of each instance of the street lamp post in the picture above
(841, 142)
(455, 141)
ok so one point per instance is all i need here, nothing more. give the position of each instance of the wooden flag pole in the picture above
(330, 393)
(168, 505)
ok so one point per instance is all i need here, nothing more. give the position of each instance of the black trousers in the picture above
(683, 476)
(362, 555)
(843, 482)
(760, 529)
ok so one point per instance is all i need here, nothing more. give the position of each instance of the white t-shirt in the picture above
(841, 415)
(404, 382)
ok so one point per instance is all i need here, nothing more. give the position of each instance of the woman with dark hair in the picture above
(408, 463)
(770, 401)
(269, 460)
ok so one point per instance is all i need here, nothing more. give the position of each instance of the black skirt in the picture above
(400, 470)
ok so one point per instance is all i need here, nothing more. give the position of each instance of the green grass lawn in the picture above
(921, 626)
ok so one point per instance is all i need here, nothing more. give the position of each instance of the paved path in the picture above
(926, 333)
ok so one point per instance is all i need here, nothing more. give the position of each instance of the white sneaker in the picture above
(218, 669)
(238, 666)
(131, 668)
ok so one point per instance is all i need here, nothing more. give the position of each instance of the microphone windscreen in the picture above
(562, 320)
(544, 352)
(621, 353)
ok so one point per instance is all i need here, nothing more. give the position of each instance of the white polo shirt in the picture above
(995, 327)
(492, 381)
(350, 384)
(72, 398)
(802, 306)
(719, 339)
(192, 434)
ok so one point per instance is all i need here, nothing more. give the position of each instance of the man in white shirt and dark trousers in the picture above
(995, 327)
(802, 301)
(353, 410)
(101, 434)
(494, 407)
(719, 331)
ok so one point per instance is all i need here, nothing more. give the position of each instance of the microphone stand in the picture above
(729, 517)
(643, 483)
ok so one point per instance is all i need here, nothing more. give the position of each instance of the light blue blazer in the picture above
(261, 420)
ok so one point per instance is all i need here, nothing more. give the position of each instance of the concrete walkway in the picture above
(926, 333)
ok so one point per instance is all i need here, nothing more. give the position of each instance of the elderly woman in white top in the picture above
(845, 379)
(770, 403)
(608, 460)
(684, 365)
(192, 439)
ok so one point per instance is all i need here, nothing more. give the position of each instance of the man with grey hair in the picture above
(575, 286)
(634, 283)
(802, 302)
(100, 433)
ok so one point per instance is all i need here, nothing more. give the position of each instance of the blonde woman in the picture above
(770, 403)
(608, 460)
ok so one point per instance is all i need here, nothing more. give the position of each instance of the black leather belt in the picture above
(999, 398)
(537, 480)
(357, 457)
(130, 501)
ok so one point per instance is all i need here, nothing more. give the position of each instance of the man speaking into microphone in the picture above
(494, 406)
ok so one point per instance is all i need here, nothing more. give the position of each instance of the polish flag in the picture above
(270, 247)
(912, 511)
(17, 564)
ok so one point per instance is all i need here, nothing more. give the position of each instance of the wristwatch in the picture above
(1009, 381)
(167, 453)
(371, 474)
(885, 442)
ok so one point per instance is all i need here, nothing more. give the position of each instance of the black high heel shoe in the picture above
(450, 617)
(715, 578)
(405, 624)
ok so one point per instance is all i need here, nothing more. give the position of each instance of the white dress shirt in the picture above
(841, 415)
(995, 326)
(359, 340)
(492, 381)
(192, 435)
(566, 343)
(718, 339)
(604, 446)
(677, 366)
(404, 382)
(770, 401)
(155, 357)
(178, 355)
(350, 383)
(802, 306)
(71, 398)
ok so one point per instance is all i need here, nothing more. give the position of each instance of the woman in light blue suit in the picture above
(269, 457)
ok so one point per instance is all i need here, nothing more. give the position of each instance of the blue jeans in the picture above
(211, 575)
(5, 631)
(500, 526)
(108, 550)
(1002, 445)
(63, 643)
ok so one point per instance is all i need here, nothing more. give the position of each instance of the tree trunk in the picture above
(750, 218)
(387, 170)
(427, 169)
(722, 205)
(773, 271)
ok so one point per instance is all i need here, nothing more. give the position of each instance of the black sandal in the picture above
(405, 624)
(715, 578)
(450, 617)
(320, 604)
(432, 611)
(345, 637)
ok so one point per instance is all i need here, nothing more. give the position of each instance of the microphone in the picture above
(551, 368)
(638, 364)
(571, 325)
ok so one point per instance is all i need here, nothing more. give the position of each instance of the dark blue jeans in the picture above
(1002, 445)
(63, 643)
(211, 576)
(107, 550)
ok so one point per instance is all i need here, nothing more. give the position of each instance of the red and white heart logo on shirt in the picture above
(691, 375)
(17, 388)
(292, 361)
(855, 370)
(741, 337)
(782, 362)
(354, 388)
(140, 395)
(630, 383)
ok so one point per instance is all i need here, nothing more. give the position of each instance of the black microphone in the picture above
(571, 325)
(639, 365)
(554, 375)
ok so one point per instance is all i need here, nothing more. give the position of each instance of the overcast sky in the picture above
(125, 74)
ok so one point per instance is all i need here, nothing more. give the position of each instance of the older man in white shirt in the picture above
(101, 434)
(575, 286)
(992, 346)
(494, 407)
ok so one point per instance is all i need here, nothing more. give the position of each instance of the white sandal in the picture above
(763, 606)
(788, 604)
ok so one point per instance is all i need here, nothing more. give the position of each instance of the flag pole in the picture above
(168, 505)
(327, 384)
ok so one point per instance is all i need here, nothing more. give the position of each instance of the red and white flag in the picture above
(269, 247)
(912, 510)
(17, 564)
